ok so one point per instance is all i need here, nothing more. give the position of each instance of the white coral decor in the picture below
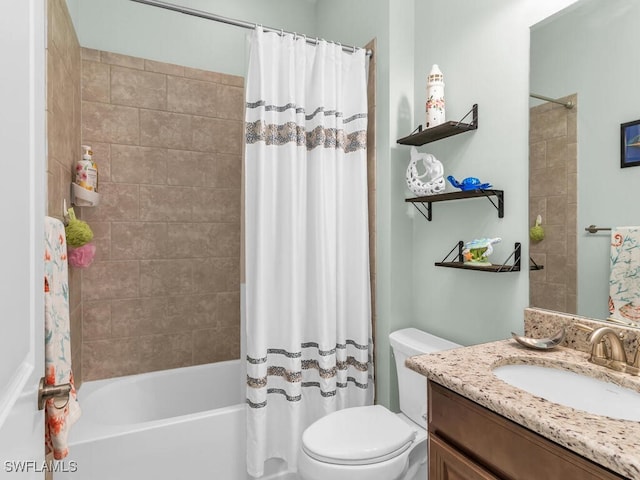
(431, 181)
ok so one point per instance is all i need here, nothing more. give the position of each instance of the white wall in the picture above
(587, 51)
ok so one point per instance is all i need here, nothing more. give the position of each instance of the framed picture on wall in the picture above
(630, 144)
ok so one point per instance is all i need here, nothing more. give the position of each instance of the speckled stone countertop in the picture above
(614, 444)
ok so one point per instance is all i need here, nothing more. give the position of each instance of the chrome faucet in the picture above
(615, 357)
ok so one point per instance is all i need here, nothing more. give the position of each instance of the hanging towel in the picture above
(59, 416)
(624, 279)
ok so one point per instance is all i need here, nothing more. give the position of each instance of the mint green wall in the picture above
(123, 26)
(606, 83)
(483, 50)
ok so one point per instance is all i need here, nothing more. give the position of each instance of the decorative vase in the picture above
(435, 97)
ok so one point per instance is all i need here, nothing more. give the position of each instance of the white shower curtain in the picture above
(309, 348)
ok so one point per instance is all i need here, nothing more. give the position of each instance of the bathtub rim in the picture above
(102, 431)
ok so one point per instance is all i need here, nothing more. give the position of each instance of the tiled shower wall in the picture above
(63, 141)
(163, 291)
(553, 167)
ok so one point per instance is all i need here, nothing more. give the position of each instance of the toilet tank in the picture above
(412, 386)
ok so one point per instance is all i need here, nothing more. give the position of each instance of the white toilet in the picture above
(372, 443)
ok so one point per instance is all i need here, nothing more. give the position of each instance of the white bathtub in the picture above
(181, 423)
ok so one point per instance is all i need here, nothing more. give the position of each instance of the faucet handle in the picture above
(584, 328)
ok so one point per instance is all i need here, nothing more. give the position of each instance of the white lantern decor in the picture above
(435, 97)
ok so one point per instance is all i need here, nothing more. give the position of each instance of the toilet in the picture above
(373, 443)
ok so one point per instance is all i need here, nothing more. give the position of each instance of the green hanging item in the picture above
(536, 233)
(78, 231)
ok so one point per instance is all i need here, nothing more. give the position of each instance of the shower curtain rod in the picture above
(234, 22)
(552, 100)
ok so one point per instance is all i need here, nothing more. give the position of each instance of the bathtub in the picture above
(181, 423)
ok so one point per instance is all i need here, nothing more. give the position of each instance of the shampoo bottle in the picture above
(87, 171)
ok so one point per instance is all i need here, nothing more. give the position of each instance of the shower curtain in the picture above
(308, 308)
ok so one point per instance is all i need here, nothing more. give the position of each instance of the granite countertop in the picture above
(612, 443)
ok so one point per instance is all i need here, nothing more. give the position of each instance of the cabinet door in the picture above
(446, 463)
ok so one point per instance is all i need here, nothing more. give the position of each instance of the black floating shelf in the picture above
(423, 204)
(444, 130)
(459, 262)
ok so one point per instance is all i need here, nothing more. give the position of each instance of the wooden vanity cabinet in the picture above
(470, 442)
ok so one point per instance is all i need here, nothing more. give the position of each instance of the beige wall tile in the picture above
(231, 102)
(556, 210)
(201, 240)
(165, 203)
(228, 309)
(90, 54)
(95, 82)
(166, 68)
(184, 168)
(110, 123)
(208, 99)
(216, 135)
(552, 189)
(555, 182)
(216, 77)
(110, 358)
(226, 341)
(216, 275)
(110, 280)
(168, 226)
(160, 352)
(141, 316)
(138, 240)
(61, 33)
(137, 88)
(185, 95)
(101, 238)
(537, 155)
(557, 152)
(163, 129)
(96, 320)
(216, 204)
(193, 311)
(118, 203)
(220, 169)
(140, 165)
(166, 277)
(122, 60)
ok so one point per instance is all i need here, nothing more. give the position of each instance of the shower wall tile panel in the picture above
(553, 195)
(164, 290)
(63, 143)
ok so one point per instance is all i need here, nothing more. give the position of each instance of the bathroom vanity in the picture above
(468, 441)
(484, 428)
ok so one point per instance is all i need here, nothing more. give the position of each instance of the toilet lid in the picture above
(358, 435)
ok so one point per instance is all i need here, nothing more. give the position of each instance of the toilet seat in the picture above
(357, 436)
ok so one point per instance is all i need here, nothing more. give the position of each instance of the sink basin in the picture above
(573, 390)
